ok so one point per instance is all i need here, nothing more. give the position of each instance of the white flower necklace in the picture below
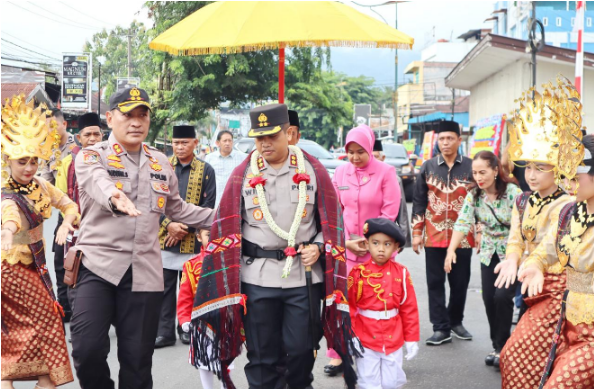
(302, 179)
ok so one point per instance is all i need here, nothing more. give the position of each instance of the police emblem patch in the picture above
(90, 157)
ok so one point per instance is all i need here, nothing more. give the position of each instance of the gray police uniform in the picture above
(121, 278)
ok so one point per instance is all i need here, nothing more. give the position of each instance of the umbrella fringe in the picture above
(275, 45)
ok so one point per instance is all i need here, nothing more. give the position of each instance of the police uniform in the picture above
(384, 314)
(121, 277)
(278, 308)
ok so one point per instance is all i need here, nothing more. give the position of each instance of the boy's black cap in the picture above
(268, 120)
(448, 126)
(183, 132)
(386, 226)
(89, 119)
(293, 118)
(127, 99)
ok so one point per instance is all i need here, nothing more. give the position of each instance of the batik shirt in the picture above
(495, 234)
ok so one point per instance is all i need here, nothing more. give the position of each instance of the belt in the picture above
(254, 251)
(580, 282)
(378, 315)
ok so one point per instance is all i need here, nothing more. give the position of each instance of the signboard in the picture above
(427, 148)
(76, 80)
(487, 135)
(362, 113)
(410, 145)
(128, 82)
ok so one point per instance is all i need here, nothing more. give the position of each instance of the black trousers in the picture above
(97, 305)
(445, 317)
(169, 305)
(278, 330)
(499, 304)
(62, 288)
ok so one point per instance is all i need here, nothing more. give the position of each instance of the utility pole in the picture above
(396, 78)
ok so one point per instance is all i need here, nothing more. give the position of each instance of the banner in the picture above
(76, 80)
(487, 135)
(427, 148)
(410, 145)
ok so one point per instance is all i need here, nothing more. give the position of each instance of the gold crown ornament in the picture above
(547, 128)
(25, 132)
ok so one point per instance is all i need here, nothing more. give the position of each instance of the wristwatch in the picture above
(320, 247)
(113, 208)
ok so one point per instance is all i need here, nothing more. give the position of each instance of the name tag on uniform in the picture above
(343, 187)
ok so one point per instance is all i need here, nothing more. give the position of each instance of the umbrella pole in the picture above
(281, 75)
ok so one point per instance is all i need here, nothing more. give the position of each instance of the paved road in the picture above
(458, 365)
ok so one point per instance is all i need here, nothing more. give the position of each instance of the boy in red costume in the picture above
(383, 308)
(185, 300)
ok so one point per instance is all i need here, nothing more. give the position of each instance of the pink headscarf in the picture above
(364, 137)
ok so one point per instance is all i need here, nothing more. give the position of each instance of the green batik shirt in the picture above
(495, 234)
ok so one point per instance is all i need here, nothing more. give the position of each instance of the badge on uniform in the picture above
(116, 165)
(258, 215)
(304, 213)
(343, 188)
(146, 148)
(114, 158)
(260, 163)
(119, 185)
(161, 202)
(256, 201)
(90, 157)
(293, 160)
(156, 167)
(165, 187)
(117, 148)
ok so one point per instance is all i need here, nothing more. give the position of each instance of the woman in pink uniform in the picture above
(367, 188)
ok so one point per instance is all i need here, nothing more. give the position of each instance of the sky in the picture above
(50, 28)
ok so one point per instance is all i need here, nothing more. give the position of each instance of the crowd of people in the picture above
(269, 252)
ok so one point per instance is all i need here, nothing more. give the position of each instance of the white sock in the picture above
(207, 378)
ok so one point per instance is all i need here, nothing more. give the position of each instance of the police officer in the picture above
(125, 186)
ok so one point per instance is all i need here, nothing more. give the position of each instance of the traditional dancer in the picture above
(384, 308)
(33, 340)
(278, 226)
(570, 244)
(533, 147)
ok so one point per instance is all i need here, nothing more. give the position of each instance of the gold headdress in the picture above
(25, 132)
(547, 128)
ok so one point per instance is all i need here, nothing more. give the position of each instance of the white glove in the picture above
(186, 327)
(412, 349)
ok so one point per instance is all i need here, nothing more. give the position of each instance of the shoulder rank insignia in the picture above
(293, 160)
(260, 163)
(114, 158)
(90, 157)
(117, 148)
(146, 149)
(116, 165)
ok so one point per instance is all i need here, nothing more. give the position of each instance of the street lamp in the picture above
(101, 60)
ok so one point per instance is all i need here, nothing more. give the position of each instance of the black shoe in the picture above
(489, 359)
(439, 337)
(332, 370)
(184, 337)
(162, 341)
(460, 332)
(496, 361)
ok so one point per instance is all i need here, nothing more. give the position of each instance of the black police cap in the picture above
(386, 226)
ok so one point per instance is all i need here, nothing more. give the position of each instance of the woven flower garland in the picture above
(302, 178)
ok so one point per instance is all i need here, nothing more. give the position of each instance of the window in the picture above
(558, 22)
(545, 21)
(589, 22)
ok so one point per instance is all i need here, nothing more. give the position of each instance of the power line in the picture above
(47, 17)
(31, 62)
(90, 16)
(60, 16)
(26, 56)
(28, 43)
(24, 48)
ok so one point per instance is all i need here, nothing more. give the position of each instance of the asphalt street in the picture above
(458, 365)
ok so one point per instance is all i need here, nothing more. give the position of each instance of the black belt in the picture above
(254, 251)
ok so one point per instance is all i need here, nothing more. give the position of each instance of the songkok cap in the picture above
(89, 119)
(184, 132)
(448, 126)
(127, 99)
(385, 226)
(268, 120)
(377, 146)
(294, 118)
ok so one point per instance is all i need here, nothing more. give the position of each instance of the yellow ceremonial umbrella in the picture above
(228, 27)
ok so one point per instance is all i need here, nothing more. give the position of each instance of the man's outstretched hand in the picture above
(123, 204)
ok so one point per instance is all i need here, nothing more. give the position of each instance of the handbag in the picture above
(72, 266)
